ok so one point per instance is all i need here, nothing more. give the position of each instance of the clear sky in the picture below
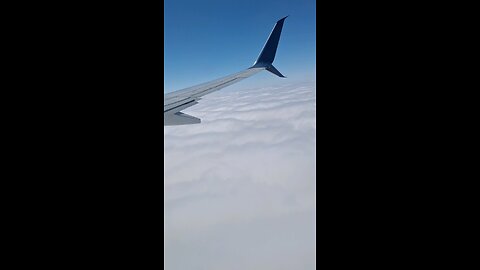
(205, 40)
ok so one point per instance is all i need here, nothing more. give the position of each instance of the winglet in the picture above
(267, 56)
(273, 70)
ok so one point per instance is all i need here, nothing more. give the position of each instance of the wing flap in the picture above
(179, 105)
(178, 119)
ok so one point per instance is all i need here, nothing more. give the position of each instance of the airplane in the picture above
(177, 101)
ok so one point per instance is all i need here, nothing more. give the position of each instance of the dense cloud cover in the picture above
(240, 187)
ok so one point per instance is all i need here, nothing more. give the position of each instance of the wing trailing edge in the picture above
(179, 118)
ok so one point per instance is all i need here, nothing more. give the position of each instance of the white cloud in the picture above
(240, 187)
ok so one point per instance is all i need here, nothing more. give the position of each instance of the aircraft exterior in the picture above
(179, 100)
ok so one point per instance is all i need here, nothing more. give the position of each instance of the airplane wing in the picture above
(179, 100)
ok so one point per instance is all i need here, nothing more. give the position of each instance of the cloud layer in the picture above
(240, 187)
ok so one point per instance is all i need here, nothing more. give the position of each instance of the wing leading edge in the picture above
(179, 100)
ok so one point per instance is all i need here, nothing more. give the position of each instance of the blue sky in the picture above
(205, 40)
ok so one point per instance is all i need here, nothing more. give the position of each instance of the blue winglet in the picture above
(267, 56)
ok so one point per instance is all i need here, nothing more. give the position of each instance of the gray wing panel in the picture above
(185, 98)
(178, 119)
(187, 95)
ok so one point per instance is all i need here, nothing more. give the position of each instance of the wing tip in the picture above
(283, 19)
